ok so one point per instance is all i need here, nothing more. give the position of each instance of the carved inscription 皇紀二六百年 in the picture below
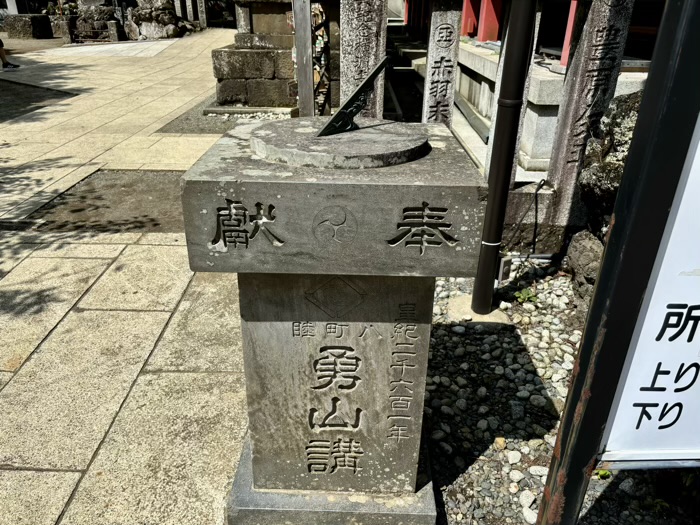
(680, 320)
(236, 226)
(401, 383)
(423, 227)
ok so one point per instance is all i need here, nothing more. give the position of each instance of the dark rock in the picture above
(585, 253)
(605, 159)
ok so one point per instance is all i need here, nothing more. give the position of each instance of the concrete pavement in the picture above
(125, 93)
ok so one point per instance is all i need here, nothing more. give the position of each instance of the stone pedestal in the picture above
(337, 241)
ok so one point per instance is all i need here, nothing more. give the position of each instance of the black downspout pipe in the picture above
(518, 52)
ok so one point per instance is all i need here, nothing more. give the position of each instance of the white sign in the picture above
(656, 415)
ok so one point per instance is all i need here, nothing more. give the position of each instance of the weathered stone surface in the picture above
(263, 41)
(11, 255)
(247, 506)
(78, 251)
(28, 26)
(375, 145)
(585, 253)
(170, 455)
(362, 46)
(605, 160)
(231, 62)
(589, 86)
(146, 278)
(335, 65)
(378, 329)
(5, 378)
(271, 17)
(336, 221)
(284, 65)
(204, 333)
(34, 498)
(57, 408)
(270, 93)
(442, 66)
(242, 18)
(33, 299)
(335, 93)
(231, 91)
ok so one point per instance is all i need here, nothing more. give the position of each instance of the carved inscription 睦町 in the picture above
(236, 226)
(423, 226)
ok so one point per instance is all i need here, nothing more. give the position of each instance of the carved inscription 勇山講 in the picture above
(236, 226)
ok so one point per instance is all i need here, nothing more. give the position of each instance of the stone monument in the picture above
(442, 66)
(337, 241)
(362, 45)
(588, 89)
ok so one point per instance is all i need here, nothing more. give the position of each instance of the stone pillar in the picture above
(243, 19)
(590, 84)
(442, 67)
(178, 8)
(335, 362)
(189, 4)
(362, 45)
(12, 7)
(202, 10)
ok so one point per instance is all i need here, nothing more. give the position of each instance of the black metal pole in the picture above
(516, 62)
(667, 118)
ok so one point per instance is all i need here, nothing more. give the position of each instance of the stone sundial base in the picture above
(247, 506)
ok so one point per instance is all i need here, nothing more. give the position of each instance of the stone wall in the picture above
(28, 26)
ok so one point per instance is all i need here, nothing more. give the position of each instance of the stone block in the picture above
(28, 26)
(271, 18)
(284, 66)
(231, 62)
(367, 207)
(263, 41)
(247, 506)
(231, 91)
(272, 93)
(378, 403)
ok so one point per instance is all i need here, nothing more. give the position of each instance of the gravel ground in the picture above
(494, 396)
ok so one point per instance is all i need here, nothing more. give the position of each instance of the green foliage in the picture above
(603, 474)
(525, 295)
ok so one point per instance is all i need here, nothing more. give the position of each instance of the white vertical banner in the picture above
(656, 415)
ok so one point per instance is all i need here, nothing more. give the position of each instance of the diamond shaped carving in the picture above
(336, 296)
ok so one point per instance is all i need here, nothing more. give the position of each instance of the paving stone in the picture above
(205, 331)
(11, 255)
(33, 299)
(5, 378)
(170, 455)
(142, 278)
(165, 239)
(34, 498)
(60, 404)
(78, 251)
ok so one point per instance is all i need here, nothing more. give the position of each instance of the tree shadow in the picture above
(484, 387)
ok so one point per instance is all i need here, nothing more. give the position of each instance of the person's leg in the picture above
(3, 58)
